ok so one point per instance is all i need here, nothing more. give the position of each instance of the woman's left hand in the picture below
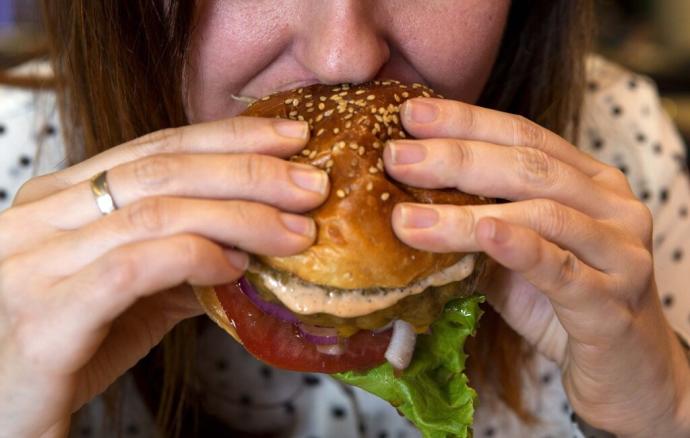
(576, 275)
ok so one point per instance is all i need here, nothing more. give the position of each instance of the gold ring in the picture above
(101, 192)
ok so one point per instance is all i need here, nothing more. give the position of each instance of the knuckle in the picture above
(465, 117)
(235, 127)
(244, 213)
(193, 249)
(155, 171)
(251, 170)
(643, 220)
(148, 214)
(118, 269)
(535, 166)
(567, 270)
(163, 140)
(551, 217)
(527, 133)
(463, 221)
(460, 153)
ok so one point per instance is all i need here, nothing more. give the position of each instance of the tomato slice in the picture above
(279, 344)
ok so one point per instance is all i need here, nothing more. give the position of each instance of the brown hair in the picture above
(118, 74)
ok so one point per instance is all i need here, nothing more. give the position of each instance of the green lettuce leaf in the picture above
(432, 392)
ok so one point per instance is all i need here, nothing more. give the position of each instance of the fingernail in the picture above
(418, 217)
(309, 178)
(406, 152)
(420, 111)
(291, 128)
(299, 224)
(500, 232)
(237, 259)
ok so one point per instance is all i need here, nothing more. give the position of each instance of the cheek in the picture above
(453, 44)
(232, 41)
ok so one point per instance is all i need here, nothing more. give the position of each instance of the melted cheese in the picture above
(306, 298)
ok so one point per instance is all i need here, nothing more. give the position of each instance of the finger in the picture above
(516, 173)
(449, 228)
(558, 273)
(252, 227)
(289, 186)
(279, 137)
(90, 300)
(428, 117)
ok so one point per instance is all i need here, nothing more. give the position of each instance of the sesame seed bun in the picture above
(355, 245)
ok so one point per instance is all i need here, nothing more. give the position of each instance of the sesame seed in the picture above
(293, 113)
(312, 155)
(295, 102)
(401, 133)
(340, 193)
(372, 170)
(329, 163)
(336, 89)
(340, 145)
(328, 113)
(307, 96)
(288, 101)
(358, 92)
(377, 145)
(309, 104)
(386, 82)
(416, 85)
(370, 186)
(377, 126)
(310, 110)
(323, 98)
(265, 98)
(305, 152)
(379, 164)
(348, 124)
(342, 93)
(353, 146)
(336, 130)
(319, 118)
(348, 116)
(360, 151)
(322, 106)
(385, 196)
(300, 90)
(373, 110)
(371, 97)
(405, 94)
(321, 131)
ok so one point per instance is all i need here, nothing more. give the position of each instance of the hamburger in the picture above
(359, 303)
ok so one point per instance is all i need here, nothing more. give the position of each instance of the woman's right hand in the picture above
(84, 296)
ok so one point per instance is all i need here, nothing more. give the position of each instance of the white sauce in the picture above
(306, 299)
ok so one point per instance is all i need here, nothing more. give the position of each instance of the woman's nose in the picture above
(341, 42)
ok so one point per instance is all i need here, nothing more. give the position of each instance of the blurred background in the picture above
(651, 37)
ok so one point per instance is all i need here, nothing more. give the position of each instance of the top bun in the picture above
(355, 245)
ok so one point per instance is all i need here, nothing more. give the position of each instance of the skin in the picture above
(76, 288)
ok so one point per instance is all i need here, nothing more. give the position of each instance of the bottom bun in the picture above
(206, 296)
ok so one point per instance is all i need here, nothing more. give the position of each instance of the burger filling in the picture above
(350, 310)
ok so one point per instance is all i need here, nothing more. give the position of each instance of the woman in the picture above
(87, 292)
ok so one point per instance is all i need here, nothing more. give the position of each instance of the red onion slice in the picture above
(400, 350)
(272, 309)
(318, 335)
